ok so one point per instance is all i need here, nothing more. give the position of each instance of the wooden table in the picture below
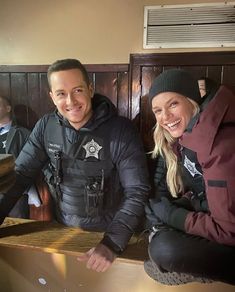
(38, 256)
(7, 175)
(53, 237)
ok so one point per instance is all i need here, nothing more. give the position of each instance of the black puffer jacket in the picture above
(126, 177)
(16, 138)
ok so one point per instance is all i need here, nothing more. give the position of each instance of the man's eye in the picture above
(60, 94)
(78, 90)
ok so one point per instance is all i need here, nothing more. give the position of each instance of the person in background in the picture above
(192, 214)
(97, 170)
(12, 140)
(207, 86)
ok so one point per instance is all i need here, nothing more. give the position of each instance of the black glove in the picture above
(199, 202)
(183, 202)
(152, 220)
(169, 214)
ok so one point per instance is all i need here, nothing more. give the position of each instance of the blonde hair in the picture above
(163, 146)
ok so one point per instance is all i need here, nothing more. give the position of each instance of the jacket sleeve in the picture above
(160, 190)
(218, 172)
(130, 161)
(16, 139)
(160, 185)
(29, 162)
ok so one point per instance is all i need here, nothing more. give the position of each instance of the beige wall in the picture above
(96, 32)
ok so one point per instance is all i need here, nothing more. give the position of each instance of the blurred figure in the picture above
(207, 86)
(12, 140)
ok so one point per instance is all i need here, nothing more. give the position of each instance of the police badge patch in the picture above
(92, 149)
(190, 166)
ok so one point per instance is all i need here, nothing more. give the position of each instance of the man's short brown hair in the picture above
(67, 64)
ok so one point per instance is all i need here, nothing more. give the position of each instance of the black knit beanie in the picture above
(176, 80)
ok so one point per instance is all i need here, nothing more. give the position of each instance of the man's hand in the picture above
(98, 258)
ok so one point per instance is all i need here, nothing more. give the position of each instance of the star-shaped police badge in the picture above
(92, 149)
(190, 166)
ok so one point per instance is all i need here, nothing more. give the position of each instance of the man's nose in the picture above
(70, 98)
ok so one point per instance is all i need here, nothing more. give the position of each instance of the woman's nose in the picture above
(166, 114)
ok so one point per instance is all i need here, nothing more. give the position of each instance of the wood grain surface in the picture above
(53, 237)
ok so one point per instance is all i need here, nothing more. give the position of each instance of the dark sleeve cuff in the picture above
(111, 245)
(178, 217)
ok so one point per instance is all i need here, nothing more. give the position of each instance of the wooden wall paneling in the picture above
(46, 104)
(106, 84)
(214, 72)
(108, 80)
(5, 89)
(19, 88)
(91, 76)
(147, 119)
(122, 94)
(23, 68)
(134, 92)
(228, 76)
(33, 98)
(19, 97)
(197, 71)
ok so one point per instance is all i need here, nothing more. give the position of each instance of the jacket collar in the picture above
(217, 111)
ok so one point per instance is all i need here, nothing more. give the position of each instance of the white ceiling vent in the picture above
(189, 26)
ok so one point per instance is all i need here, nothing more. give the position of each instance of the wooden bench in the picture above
(7, 175)
(38, 256)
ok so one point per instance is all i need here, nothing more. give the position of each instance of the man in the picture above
(97, 171)
(12, 140)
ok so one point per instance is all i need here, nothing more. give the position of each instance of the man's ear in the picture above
(91, 89)
(52, 96)
(8, 108)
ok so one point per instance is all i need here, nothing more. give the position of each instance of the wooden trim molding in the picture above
(190, 59)
(43, 68)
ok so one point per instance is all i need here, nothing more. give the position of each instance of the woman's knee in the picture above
(163, 250)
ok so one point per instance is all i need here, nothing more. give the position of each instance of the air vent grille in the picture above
(183, 26)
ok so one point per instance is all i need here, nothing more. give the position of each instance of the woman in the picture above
(193, 212)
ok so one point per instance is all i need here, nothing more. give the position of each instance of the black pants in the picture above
(175, 251)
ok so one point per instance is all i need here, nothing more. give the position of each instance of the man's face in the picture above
(72, 96)
(5, 110)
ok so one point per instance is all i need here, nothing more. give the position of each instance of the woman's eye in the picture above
(157, 111)
(173, 104)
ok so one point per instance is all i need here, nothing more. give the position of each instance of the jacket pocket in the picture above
(217, 193)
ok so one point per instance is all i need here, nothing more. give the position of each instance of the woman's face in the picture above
(173, 112)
